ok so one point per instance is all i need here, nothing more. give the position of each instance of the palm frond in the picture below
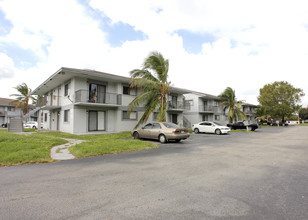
(158, 64)
(144, 84)
(152, 79)
(143, 73)
(138, 100)
(23, 97)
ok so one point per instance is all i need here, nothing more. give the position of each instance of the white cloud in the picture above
(257, 42)
(6, 66)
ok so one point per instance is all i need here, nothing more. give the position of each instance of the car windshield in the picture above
(217, 124)
(170, 125)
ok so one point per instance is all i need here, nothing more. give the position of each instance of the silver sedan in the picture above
(162, 131)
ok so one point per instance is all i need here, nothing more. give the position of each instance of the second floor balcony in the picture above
(176, 106)
(86, 97)
(49, 102)
(250, 112)
(207, 108)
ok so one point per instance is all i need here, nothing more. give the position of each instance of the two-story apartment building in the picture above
(250, 111)
(204, 107)
(81, 101)
(8, 110)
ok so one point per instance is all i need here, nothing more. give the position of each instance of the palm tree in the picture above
(23, 98)
(232, 105)
(152, 80)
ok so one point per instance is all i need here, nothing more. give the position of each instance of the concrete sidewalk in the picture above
(61, 152)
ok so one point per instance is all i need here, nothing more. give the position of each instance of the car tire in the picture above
(218, 131)
(136, 135)
(196, 131)
(162, 138)
(34, 127)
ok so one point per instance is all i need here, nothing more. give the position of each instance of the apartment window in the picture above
(66, 89)
(129, 91)
(216, 103)
(217, 117)
(190, 102)
(66, 115)
(12, 109)
(45, 117)
(129, 116)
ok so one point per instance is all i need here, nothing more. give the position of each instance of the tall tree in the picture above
(230, 104)
(280, 99)
(152, 80)
(303, 113)
(23, 97)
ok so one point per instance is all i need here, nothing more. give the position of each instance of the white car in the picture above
(210, 127)
(31, 124)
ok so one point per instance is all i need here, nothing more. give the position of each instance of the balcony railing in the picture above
(249, 112)
(175, 105)
(84, 96)
(49, 101)
(206, 108)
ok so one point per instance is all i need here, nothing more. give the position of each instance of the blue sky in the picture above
(209, 47)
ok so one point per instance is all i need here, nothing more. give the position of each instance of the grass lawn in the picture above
(100, 144)
(108, 146)
(305, 124)
(16, 149)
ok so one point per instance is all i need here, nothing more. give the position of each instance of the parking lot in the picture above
(258, 175)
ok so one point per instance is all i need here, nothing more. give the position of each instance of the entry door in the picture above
(174, 118)
(96, 121)
(205, 117)
(92, 120)
(101, 121)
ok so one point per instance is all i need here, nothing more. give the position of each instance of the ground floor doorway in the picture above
(96, 121)
(174, 118)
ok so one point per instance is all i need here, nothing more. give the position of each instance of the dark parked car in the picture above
(277, 122)
(4, 125)
(242, 125)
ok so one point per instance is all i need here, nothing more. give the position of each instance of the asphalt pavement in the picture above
(259, 175)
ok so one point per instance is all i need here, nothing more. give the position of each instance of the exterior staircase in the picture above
(186, 122)
(15, 125)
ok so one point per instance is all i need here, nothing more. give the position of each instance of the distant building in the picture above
(249, 110)
(9, 110)
(204, 107)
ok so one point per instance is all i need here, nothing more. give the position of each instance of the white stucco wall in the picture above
(80, 118)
